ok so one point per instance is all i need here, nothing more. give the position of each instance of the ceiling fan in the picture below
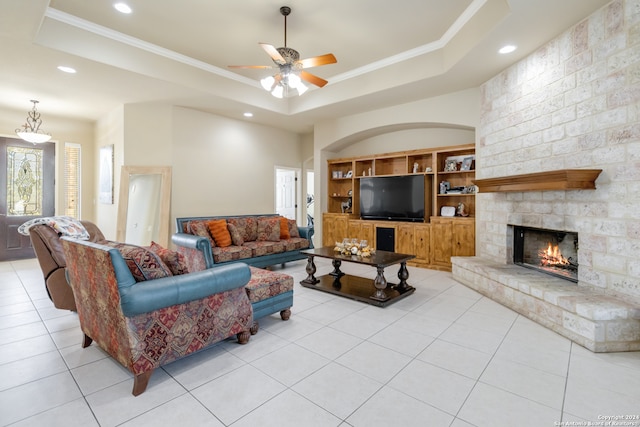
(291, 68)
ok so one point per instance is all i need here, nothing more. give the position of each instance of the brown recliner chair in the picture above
(46, 244)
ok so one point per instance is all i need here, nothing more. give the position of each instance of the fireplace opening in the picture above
(553, 252)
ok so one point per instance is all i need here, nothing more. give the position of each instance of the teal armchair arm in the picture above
(144, 297)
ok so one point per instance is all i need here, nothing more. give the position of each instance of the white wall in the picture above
(410, 139)
(223, 166)
(109, 131)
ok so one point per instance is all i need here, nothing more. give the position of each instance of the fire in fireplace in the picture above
(553, 252)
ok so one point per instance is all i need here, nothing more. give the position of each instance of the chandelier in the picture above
(30, 131)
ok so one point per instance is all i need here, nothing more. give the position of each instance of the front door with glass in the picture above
(26, 192)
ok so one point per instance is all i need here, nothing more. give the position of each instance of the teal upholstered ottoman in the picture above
(269, 292)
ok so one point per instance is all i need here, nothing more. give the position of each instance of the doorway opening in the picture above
(287, 192)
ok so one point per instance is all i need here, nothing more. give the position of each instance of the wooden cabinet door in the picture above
(464, 239)
(328, 227)
(441, 249)
(367, 233)
(404, 239)
(422, 243)
(361, 230)
(334, 228)
(354, 228)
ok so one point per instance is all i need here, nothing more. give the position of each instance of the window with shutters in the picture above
(72, 173)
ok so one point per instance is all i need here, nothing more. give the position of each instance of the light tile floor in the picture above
(444, 356)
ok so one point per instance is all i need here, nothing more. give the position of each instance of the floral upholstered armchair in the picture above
(147, 324)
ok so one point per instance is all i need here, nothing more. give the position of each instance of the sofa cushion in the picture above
(143, 263)
(260, 248)
(236, 236)
(293, 228)
(200, 228)
(247, 227)
(231, 253)
(266, 284)
(172, 259)
(295, 243)
(220, 232)
(269, 229)
(284, 228)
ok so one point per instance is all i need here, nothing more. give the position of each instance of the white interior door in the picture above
(287, 192)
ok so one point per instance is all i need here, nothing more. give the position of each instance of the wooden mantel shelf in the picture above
(564, 179)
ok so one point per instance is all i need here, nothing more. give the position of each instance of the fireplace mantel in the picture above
(563, 179)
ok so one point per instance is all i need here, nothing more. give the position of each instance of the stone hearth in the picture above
(599, 322)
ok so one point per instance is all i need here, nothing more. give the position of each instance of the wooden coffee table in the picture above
(372, 291)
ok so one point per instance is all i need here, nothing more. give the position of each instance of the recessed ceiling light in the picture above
(248, 114)
(122, 7)
(67, 69)
(507, 49)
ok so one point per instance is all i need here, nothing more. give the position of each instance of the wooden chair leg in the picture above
(254, 328)
(285, 314)
(243, 337)
(140, 382)
(86, 342)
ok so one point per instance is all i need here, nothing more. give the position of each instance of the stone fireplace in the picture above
(570, 106)
(553, 252)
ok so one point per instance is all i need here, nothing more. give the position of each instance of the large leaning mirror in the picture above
(145, 201)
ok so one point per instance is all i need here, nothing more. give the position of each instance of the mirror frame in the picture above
(165, 200)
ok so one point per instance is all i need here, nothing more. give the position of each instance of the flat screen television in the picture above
(394, 198)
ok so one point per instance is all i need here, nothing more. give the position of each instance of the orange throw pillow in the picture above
(220, 232)
(284, 228)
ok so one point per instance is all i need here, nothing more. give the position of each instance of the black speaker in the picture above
(385, 239)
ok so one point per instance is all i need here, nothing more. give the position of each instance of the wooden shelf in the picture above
(564, 179)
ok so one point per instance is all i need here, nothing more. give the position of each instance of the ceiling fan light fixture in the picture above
(267, 83)
(289, 80)
(293, 80)
(278, 91)
(30, 131)
(302, 88)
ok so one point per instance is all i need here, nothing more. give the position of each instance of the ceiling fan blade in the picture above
(273, 53)
(260, 67)
(308, 77)
(318, 60)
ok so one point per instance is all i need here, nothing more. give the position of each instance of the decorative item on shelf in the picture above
(354, 247)
(334, 174)
(346, 205)
(415, 167)
(448, 211)
(30, 131)
(471, 189)
(450, 165)
(428, 169)
(444, 187)
(369, 171)
(456, 190)
(467, 164)
(349, 174)
(350, 193)
(461, 210)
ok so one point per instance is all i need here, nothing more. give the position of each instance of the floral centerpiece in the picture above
(354, 247)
